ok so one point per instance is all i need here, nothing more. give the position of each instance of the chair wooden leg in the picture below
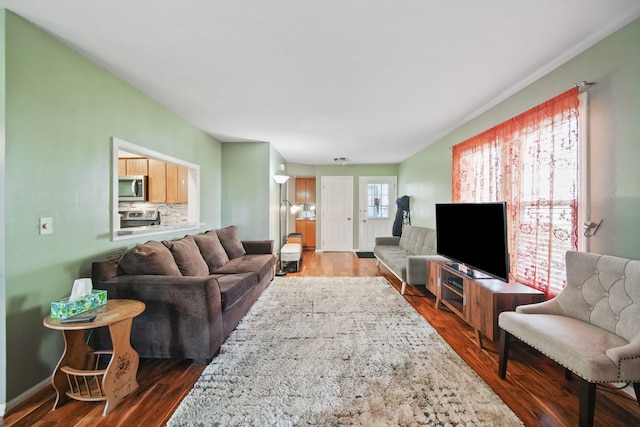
(505, 338)
(587, 403)
(636, 388)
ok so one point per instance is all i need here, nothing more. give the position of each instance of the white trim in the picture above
(584, 167)
(193, 209)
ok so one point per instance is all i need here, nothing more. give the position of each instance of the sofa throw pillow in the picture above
(230, 241)
(149, 258)
(211, 250)
(187, 256)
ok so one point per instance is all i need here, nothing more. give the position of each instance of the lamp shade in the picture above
(280, 179)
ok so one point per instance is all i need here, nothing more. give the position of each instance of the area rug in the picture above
(336, 352)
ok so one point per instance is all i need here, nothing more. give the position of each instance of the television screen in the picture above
(474, 234)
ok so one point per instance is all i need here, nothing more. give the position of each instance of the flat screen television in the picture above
(474, 235)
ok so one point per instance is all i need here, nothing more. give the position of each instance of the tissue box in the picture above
(65, 308)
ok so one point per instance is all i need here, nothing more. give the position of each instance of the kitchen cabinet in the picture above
(183, 184)
(132, 166)
(157, 181)
(305, 191)
(177, 183)
(171, 183)
(307, 228)
(168, 182)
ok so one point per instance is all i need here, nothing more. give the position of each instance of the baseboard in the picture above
(26, 395)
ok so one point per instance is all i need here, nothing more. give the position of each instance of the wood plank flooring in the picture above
(535, 388)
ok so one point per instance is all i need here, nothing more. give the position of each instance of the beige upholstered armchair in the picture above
(592, 328)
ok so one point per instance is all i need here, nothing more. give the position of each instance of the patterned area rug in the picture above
(333, 352)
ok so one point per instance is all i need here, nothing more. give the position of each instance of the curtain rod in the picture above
(584, 85)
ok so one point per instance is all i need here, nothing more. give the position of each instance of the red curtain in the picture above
(530, 161)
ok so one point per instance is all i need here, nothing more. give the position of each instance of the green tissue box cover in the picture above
(65, 308)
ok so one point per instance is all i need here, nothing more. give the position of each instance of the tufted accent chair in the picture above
(592, 327)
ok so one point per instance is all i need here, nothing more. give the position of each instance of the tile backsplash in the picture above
(177, 213)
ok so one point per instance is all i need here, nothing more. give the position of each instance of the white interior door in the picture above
(377, 209)
(337, 213)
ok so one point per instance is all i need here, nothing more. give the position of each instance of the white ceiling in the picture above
(371, 80)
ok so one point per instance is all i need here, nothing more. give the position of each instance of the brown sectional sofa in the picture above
(196, 290)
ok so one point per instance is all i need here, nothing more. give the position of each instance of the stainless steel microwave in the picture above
(132, 188)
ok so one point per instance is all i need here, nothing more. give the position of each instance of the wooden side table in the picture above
(78, 374)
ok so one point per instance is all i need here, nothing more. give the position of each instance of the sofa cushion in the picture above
(230, 241)
(234, 286)
(187, 256)
(211, 250)
(262, 265)
(418, 240)
(395, 258)
(149, 258)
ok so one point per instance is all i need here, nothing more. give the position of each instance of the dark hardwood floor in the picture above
(535, 388)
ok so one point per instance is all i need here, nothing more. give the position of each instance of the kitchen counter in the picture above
(156, 229)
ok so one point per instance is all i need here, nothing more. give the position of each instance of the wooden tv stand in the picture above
(477, 301)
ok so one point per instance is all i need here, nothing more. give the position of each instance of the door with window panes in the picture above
(377, 196)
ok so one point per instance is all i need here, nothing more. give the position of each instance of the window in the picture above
(378, 201)
(530, 161)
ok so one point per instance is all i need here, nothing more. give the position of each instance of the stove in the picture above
(130, 219)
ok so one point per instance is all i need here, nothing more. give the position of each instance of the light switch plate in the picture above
(46, 225)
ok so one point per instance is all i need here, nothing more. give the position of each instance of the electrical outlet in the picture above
(46, 225)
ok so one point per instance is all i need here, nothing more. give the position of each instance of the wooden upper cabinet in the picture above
(311, 191)
(131, 166)
(172, 183)
(168, 182)
(137, 167)
(157, 181)
(183, 184)
(305, 191)
(122, 167)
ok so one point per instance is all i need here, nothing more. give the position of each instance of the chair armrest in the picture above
(627, 357)
(183, 315)
(253, 247)
(545, 307)
(387, 241)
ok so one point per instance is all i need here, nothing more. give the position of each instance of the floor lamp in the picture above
(280, 179)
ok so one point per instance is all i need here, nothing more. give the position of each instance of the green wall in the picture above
(3, 313)
(614, 134)
(246, 193)
(61, 112)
